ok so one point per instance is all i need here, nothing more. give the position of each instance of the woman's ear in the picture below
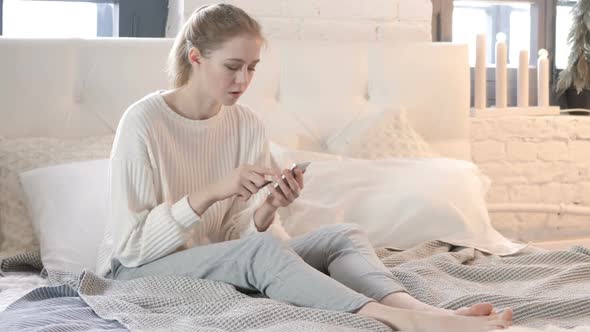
(194, 56)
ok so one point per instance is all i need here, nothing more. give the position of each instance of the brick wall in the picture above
(392, 20)
(536, 160)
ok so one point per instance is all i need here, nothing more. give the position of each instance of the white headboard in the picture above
(305, 92)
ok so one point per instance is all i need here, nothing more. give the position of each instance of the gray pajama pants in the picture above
(333, 268)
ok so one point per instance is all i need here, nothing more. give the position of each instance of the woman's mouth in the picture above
(235, 93)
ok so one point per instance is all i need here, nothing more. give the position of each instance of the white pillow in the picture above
(18, 155)
(284, 156)
(378, 135)
(400, 203)
(68, 205)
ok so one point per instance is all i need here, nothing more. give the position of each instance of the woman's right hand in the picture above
(243, 181)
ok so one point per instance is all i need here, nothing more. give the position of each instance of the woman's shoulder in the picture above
(141, 109)
(134, 128)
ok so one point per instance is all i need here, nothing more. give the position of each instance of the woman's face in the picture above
(226, 72)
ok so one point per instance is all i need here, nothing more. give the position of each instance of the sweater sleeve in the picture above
(142, 229)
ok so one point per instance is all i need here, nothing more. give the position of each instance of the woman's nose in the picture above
(241, 75)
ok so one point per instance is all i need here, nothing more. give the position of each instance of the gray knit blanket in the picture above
(541, 287)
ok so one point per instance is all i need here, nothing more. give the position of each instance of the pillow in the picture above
(378, 135)
(22, 154)
(400, 203)
(68, 205)
(284, 157)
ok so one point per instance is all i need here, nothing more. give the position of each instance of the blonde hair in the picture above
(207, 29)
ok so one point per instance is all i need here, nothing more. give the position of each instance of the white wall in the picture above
(394, 20)
(531, 160)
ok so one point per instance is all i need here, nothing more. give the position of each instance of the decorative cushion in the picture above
(380, 135)
(18, 155)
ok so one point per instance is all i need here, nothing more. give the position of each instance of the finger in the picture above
(257, 179)
(292, 183)
(299, 177)
(278, 196)
(244, 194)
(251, 187)
(285, 188)
(262, 170)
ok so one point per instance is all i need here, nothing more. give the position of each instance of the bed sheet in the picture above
(15, 285)
(543, 288)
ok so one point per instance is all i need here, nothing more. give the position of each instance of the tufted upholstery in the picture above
(305, 92)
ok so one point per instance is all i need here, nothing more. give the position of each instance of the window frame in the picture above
(544, 16)
(136, 18)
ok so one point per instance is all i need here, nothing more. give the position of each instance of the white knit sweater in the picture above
(158, 158)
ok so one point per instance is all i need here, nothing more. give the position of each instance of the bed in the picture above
(308, 95)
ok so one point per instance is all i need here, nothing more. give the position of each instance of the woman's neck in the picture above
(188, 102)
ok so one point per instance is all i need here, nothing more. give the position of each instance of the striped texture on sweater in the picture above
(159, 157)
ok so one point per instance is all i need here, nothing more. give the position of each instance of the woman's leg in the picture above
(344, 252)
(266, 264)
(259, 263)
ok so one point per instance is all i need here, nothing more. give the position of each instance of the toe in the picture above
(480, 309)
(507, 315)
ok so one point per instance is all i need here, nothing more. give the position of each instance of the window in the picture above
(563, 22)
(83, 19)
(514, 19)
(476, 18)
(67, 19)
(528, 24)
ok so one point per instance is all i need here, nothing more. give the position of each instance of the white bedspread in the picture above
(15, 285)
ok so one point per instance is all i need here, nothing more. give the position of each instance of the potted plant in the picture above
(574, 81)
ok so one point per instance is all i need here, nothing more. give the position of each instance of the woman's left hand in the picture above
(290, 188)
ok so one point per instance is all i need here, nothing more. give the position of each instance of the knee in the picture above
(342, 236)
(347, 231)
(270, 252)
(267, 243)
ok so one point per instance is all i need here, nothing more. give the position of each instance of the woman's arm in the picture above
(264, 216)
(290, 189)
(143, 229)
(243, 182)
(201, 201)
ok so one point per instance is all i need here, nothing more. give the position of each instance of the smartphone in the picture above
(302, 166)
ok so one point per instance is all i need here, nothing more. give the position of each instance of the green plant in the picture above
(577, 73)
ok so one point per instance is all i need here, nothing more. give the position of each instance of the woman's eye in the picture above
(232, 68)
(251, 68)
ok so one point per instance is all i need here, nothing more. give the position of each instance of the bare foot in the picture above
(480, 309)
(423, 321)
(403, 300)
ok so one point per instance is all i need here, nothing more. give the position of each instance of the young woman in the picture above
(187, 170)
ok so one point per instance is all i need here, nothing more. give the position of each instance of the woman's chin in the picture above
(231, 98)
(229, 101)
